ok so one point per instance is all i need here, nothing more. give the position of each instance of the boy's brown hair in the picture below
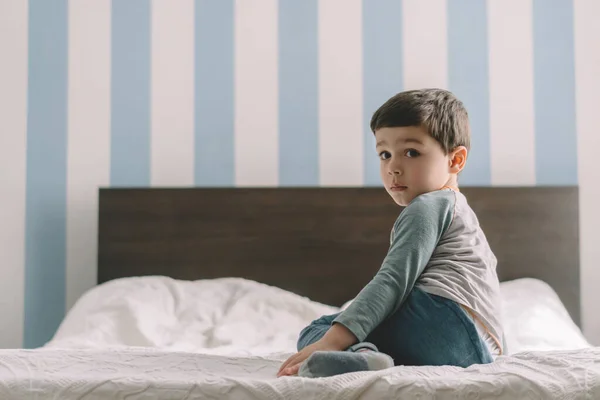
(441, 113)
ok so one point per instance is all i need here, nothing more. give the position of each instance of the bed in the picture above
(202, 292)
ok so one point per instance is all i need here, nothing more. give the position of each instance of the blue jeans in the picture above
(426, 330)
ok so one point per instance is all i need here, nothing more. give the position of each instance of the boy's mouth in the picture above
(398, 188)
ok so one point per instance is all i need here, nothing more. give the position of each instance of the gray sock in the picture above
(328, 363)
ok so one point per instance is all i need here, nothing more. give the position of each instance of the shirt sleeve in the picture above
(416, 233)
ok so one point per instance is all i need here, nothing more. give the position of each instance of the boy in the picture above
(435, 299)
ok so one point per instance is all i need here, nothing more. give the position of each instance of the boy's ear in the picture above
(458, 159)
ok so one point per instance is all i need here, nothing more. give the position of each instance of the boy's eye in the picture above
(384, 155)
(412, 153)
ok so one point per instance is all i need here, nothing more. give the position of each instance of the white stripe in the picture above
(587, 73)
(172, 104)
(13, 142)
(256, 93)
(512, 133)
(88, 149)
(340, 93)
(425, 44)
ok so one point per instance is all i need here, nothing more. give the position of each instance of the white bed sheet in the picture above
(136, 374)
(154, 337)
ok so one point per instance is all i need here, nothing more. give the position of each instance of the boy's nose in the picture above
(395, 167)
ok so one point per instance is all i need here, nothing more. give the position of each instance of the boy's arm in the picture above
(417, 231)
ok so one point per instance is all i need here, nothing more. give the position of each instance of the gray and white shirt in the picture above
(438, 246)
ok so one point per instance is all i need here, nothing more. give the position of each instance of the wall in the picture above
(266, 93)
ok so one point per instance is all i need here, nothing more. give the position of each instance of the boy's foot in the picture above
(328, 363)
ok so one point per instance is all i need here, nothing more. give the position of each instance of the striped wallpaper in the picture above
(260, 93)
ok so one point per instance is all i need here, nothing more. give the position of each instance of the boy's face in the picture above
(413, 163)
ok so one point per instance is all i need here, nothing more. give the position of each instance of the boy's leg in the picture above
(430, 330)
(360, 357)
(315, 331)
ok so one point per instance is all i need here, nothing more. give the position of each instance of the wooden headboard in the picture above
(323, 243)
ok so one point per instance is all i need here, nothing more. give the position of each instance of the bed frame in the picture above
(322, 243)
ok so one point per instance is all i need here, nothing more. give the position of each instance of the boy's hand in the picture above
(292, 365)
(337, 338)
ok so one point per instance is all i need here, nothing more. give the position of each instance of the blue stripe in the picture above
(382, 70)
(130, 99)
(214, 93)
(298, 93)
(45, 230)
(468, 79)
(554, 91)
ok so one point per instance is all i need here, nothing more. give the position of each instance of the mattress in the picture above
(158, 338)
(134, 373)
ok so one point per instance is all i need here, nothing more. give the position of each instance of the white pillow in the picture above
(224, 316)
(238, 316)
(536, 320)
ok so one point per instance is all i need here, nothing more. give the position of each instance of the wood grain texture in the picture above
(323, 243)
